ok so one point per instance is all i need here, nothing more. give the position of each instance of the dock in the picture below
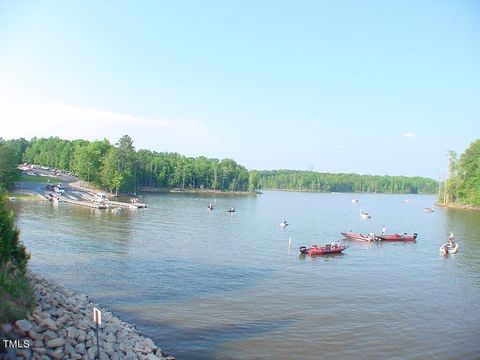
(102, 205)
(88, 204)
(127, 205)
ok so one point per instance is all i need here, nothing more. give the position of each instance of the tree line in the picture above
(463, 184)
(119, 167)
(325, 182)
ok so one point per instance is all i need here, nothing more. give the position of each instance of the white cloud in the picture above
(73, 122)
(409, 135)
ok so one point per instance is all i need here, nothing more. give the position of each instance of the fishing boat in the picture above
(284, 224)
(322, 250)
(365, 215)
(449, 248)
(398, 237)
(231, 210)
(357, 236)
(427, 210)
(354, 201)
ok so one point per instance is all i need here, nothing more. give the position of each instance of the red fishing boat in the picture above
(322, 250)
(362, 237)
(398, 237)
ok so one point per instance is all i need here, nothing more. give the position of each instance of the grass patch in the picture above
(40, 179)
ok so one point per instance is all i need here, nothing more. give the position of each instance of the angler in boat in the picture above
(322, 250)
(450, 247)
(284, 224)
(365, 215)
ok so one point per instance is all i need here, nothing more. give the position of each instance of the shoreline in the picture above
(61, 326)
(458, 206)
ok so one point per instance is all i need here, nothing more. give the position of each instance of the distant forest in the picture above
(119, 167)
(463, 185)
(324, 182)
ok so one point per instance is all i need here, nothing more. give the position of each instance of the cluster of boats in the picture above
(334, 248)
(381, 237)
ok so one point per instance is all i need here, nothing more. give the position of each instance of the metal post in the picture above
(98, 344)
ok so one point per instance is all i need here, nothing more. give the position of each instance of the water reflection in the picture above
(466, 226)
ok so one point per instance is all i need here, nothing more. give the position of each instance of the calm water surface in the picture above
(212, 285)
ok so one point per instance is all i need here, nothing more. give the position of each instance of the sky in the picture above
(369, 87)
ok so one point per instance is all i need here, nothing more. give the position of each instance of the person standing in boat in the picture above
(384, 230)
(451, 239)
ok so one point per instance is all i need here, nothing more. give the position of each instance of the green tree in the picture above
(253, 181)
(9, 172)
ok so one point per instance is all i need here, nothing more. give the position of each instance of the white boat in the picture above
(354, 201)
(427, 210)
(447, 248)
(284, 224)
(365, 215)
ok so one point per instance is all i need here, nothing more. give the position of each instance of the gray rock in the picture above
(71, 332)
(151, 357)
(108, 348)
(23, 353)
(91, 353)
(39, 350)
(55, 343)
(116, 356)
(49, 335)
(38, 343)
(23, 326)
(49, 323)
(80, 348)
(83, 325)
(110, 338)
(57, 354)
(130, 355)
(81, 336)
(37, 317)
(34, 335)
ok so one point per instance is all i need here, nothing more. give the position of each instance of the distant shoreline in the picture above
(344, 192)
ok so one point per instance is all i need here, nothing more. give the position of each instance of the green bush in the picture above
(15, 293)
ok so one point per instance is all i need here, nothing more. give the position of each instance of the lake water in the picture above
(213, 285)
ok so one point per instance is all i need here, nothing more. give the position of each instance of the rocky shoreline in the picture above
(61, 326)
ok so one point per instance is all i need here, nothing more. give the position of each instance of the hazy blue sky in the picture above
(372, 87)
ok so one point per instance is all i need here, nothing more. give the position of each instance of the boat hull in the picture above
(398, 237)
(448, 249)
(322, 250)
